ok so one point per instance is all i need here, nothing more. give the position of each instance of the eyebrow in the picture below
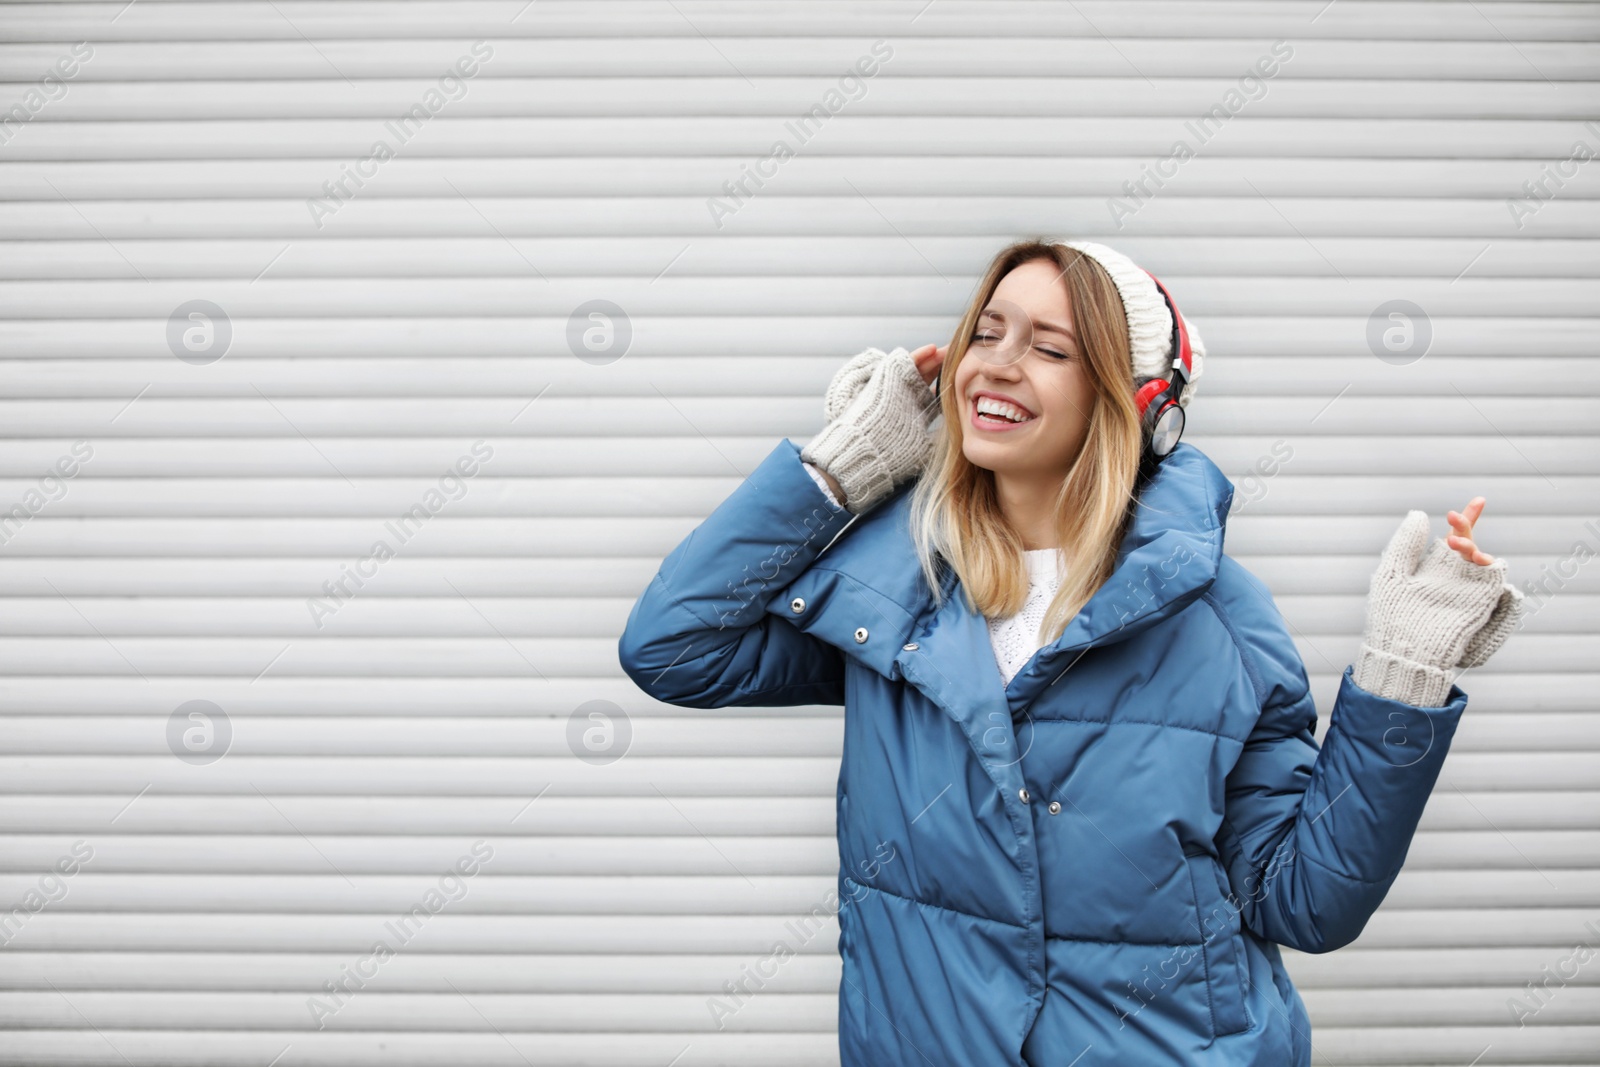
(1050, 326)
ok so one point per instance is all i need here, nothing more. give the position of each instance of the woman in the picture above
(1080, 802)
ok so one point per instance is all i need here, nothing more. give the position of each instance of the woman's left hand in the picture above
(1429, 611)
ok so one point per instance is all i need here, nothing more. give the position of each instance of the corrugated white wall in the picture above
(381, 721)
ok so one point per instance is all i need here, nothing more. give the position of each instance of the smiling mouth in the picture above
(989, 412)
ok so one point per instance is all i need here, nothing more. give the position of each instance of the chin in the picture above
(987, 456)
(1003, 458)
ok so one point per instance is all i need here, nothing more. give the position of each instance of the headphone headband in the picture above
(1182, 355)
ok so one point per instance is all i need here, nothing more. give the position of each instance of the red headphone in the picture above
(1157, 400)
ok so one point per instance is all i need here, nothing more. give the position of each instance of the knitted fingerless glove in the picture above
(879, 410)
(1423, 619)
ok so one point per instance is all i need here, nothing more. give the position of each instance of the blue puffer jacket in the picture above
(1098, 859)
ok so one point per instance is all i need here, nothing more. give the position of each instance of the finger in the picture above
(1474, 510)
(1458, 523)
(1468, 517)
(1469, 551)
(1405, 547)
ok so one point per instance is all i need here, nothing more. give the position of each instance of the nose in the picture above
(1008, 368)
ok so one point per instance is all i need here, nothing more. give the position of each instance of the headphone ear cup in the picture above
(1146, 395)
(1160, 417)
(1166, 427)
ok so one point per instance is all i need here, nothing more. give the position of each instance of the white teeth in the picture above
(989, 406)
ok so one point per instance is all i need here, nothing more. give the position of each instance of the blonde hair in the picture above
(955, 512)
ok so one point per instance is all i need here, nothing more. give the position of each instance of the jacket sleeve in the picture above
(700, 635)
(1313, 837)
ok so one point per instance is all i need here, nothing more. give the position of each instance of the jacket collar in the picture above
(1168, 558)
(869, 580)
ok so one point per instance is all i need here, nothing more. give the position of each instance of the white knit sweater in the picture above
(1016, 638)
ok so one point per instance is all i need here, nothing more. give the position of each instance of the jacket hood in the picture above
(869, 578)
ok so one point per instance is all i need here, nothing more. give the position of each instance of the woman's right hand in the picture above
(847, 383)
(879, 409)
(929, 359)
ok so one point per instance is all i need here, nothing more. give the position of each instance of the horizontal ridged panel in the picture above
(847, 135)
(1420, 180)
(648, 22)
(782, 97)
(845, 295)
(834, 213)
(487, 257)
(1082, 54)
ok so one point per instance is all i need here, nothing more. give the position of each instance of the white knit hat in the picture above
(1149, 321)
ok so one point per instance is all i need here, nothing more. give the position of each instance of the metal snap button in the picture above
(912, 647)
(1055, 808)
(861, 635)
(797, 605)
(1023, 793)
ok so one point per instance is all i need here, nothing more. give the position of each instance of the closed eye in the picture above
(990, 337)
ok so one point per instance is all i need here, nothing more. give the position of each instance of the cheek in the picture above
(1069, 397)
(962, 380)
(964, 371)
